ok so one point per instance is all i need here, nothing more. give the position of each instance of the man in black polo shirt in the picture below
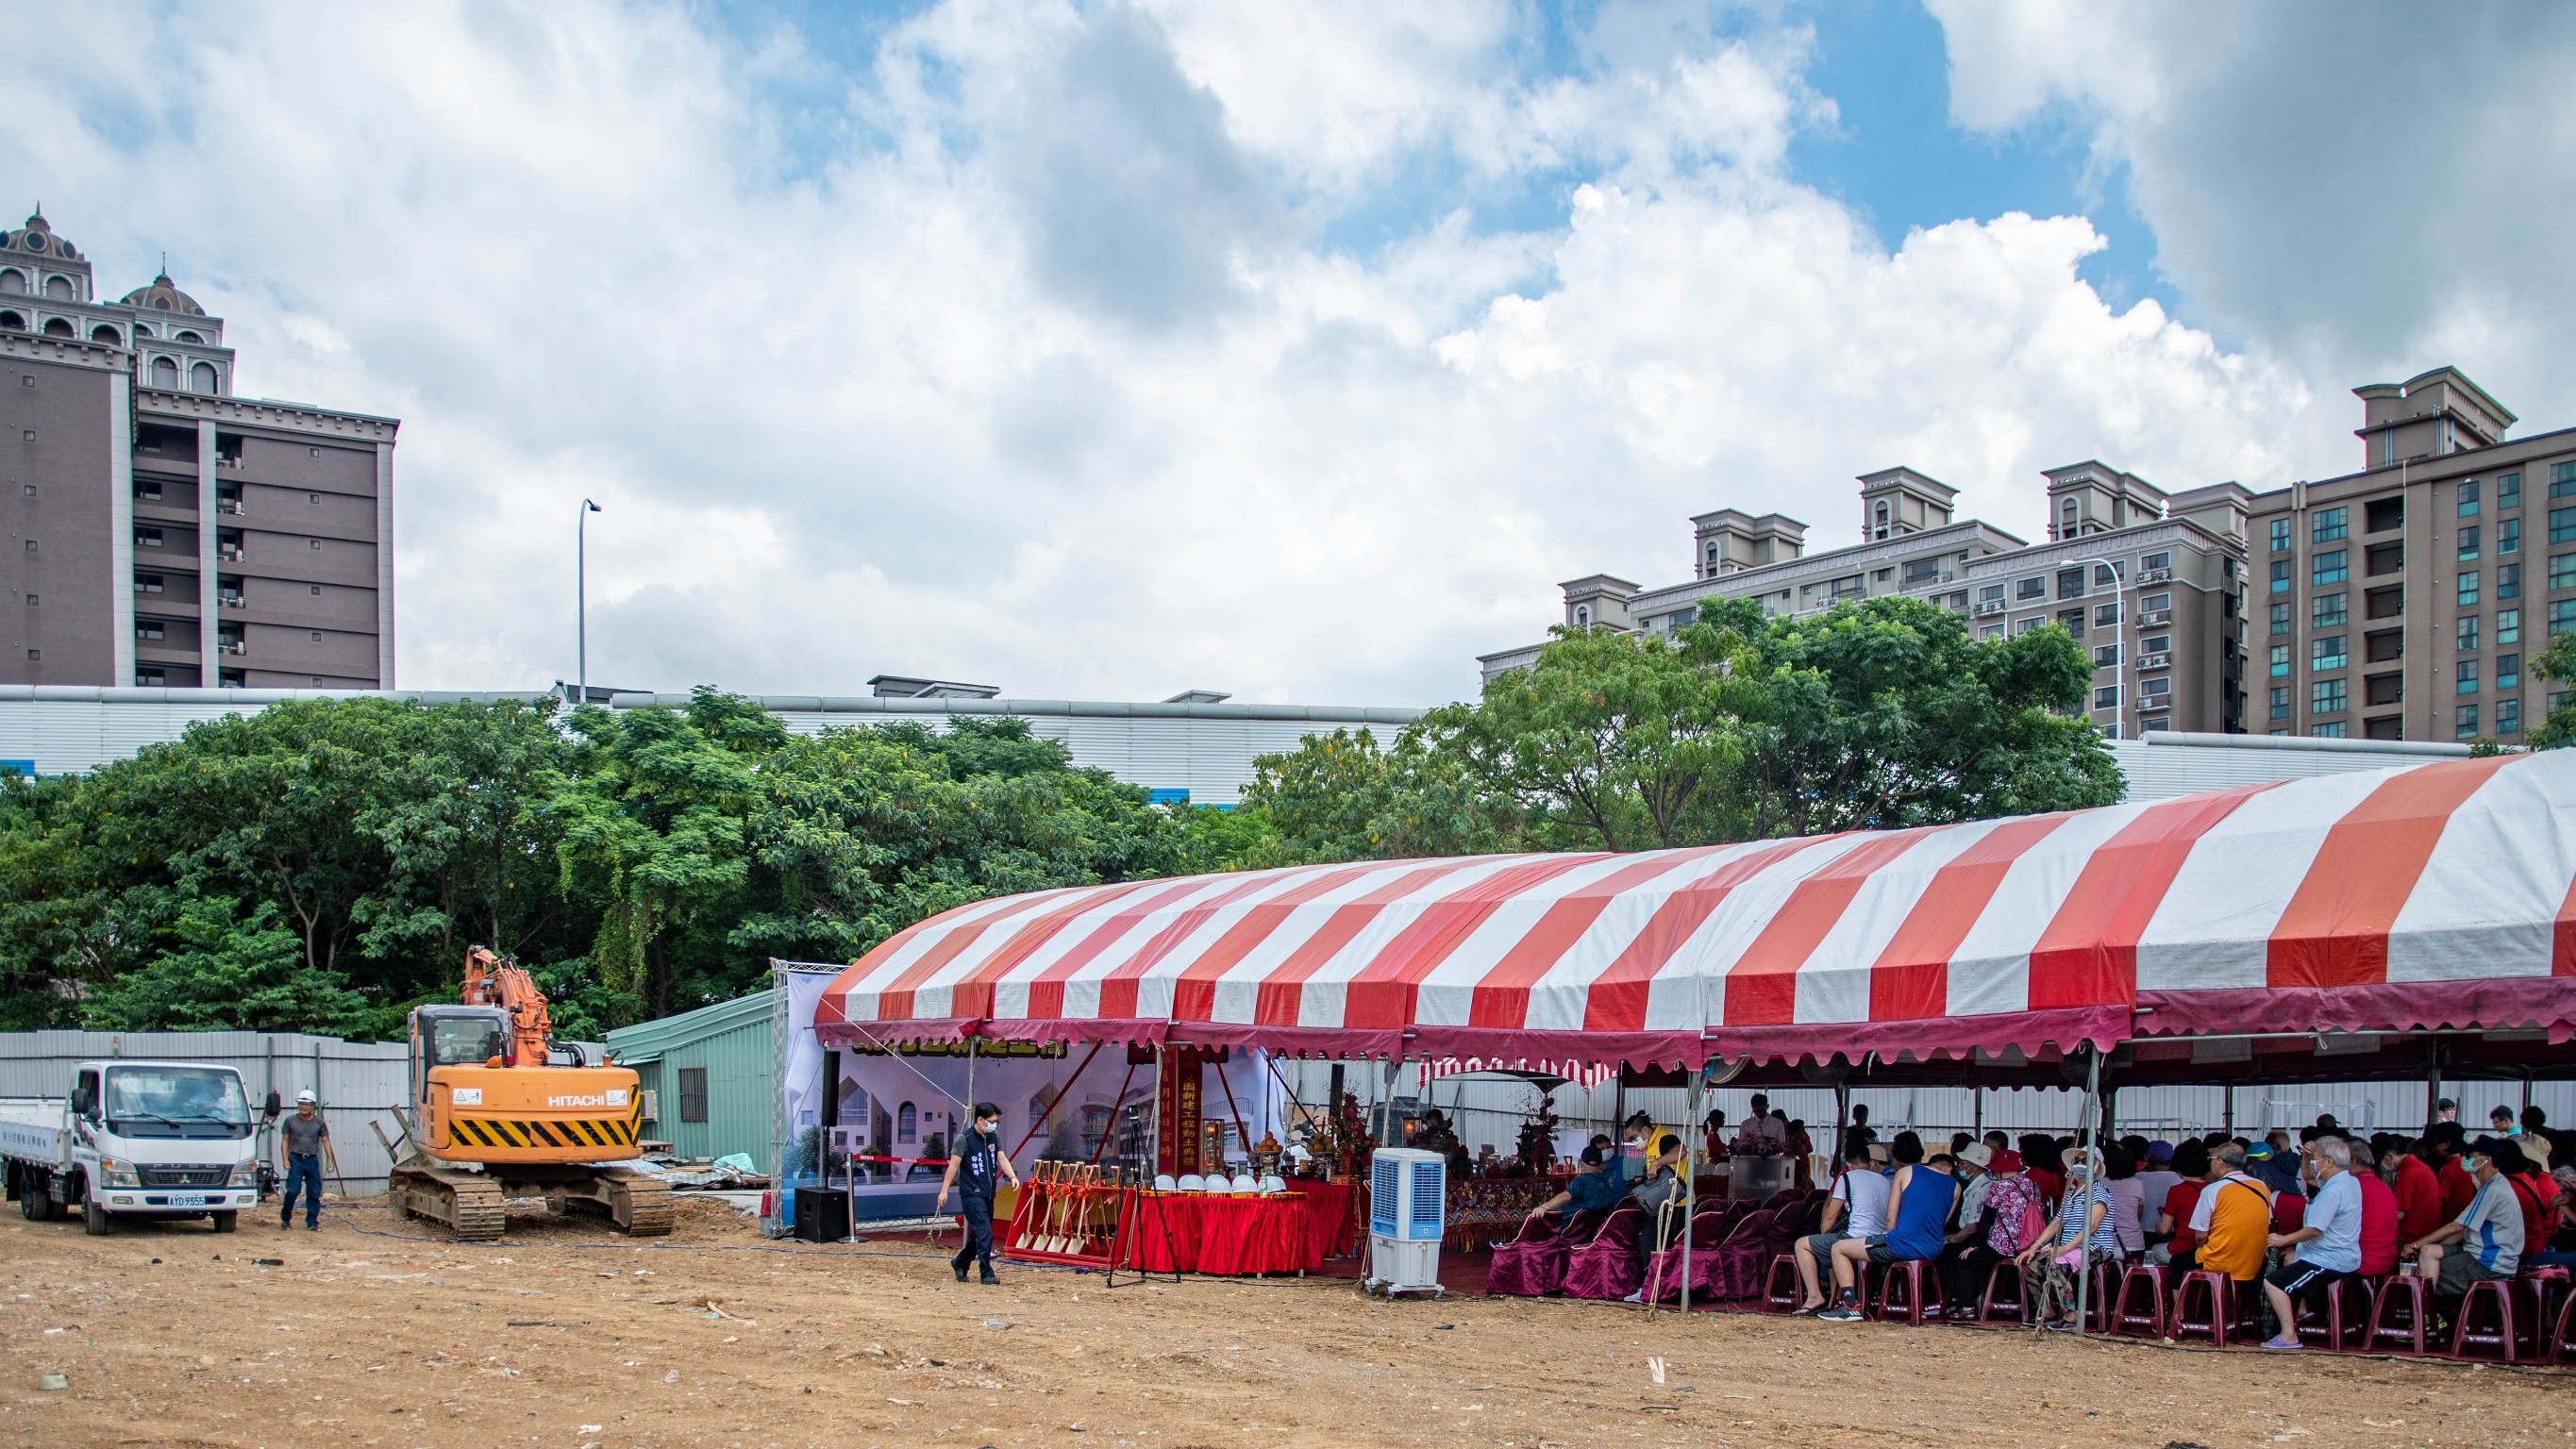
(973, 1167)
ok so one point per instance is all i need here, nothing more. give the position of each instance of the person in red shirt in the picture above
(2447, 1141)
(2182, 1245)
(2419, 1197)
(2042, 1158)
(2537, 1191)
(2379, 1239)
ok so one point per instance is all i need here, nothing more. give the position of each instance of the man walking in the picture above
(306, 1138)
(974, 1164)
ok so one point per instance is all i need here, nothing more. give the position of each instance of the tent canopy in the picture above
(2432, 897)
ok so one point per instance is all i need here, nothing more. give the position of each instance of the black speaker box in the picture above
(822, 1214)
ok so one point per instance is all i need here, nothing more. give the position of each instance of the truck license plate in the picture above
(187, 1199)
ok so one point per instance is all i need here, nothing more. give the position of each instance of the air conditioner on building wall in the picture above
(649, 1105)
(1989, 606)
(2155, 576)
(2153, 617)
(2154, 661)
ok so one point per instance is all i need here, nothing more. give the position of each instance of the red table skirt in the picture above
(1196, 1233)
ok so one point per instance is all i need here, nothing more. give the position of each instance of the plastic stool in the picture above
(2216, 1293)
(1989, 1307)
(2407, 1299)
(2469, 1340)
(1913, 1275)
(2151, 1278)
(1780, 1288)
(2562, 1339)
(2334, 1328)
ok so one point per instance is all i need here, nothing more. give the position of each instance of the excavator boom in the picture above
(491, 981)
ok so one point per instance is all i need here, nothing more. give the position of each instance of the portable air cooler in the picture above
(1408, 1197)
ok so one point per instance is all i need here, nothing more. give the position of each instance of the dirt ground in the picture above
(564, 1335)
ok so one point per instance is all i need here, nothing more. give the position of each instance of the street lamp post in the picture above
(581, 599)
(2119, 641)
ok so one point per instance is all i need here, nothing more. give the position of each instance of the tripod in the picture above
(1136, 1153)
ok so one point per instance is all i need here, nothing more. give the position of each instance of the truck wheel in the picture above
(31, 1202)
(226, 1222)
(94, 1219)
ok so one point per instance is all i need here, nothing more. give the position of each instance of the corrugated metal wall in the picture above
(2162, 765)
(357, 1081)
(741, 1091)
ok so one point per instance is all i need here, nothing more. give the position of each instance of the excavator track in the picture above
(467, 1202)
(639, 1204)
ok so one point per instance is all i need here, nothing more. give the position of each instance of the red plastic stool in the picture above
(2335, 1328)
(2148, 1278)
(1989, 1307)
(2562, 1339)
(1920, 1283)
(2470, 1339)
(2405, 1300)
(2216, 1297)
(2098, 1299)
(1781, 1289)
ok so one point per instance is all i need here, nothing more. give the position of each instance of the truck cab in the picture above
(135, 1139)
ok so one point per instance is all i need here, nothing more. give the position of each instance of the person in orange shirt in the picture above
(2233, 1218)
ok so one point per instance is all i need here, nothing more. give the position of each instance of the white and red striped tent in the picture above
(2437, 896)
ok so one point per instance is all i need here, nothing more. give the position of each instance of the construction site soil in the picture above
(562, 1334)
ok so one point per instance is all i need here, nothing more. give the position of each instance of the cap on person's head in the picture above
(2160, 1154)
(1592, 1156)
(2258, 1152)
(1877, 1152)
(304, 1097)
(987, 1112)
(2505, 1154)
(1976, 1154)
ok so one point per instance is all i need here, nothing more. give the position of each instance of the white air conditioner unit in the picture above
(1408, 1205)
(2154, 661)
(2154, 576)
(2153, 617)
(1989, 606)
(651, 1104)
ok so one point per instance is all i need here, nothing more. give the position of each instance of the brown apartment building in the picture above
(164, 530)
(2151, 583)
(2405, 601)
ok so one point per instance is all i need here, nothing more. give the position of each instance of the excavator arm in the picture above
(491, 981)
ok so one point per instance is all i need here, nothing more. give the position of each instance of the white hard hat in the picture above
(304, 1096)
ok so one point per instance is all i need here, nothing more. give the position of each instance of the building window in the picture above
(2562, 617)
(2562, 480)
(2328, 567)
(149, 629)
(1991, 594)
(2155, 603)
(2508, 626)
(1918, 572)
(2465, 680)
(147, 583)
(2024, 626)
(2109, 575)
(2329, 524)
(2106, 656)
(2156, 689)
(2562, 570)
(36, 655)
(907, 1124)
(201, 378)
(693, 1094)
(148, 678)
(2156, 561)
(2156, 644)
(2280, 535)
(2072, 621)
(147, 538)
(2508, 716)
(2325, 611)
(2281, 617)
(2107, 697)
(2464, 722)
(2562, 525)
(2280, 701)
(2030, 589)
(2334, 731)
(2508, 491)
(2508, 536)
(1991, 631)
(2468, 497)
(2326, 653)
(2468, 543)
(2326, 696)
(2281, 576)
(2508, 672)
(165, 374)
(2280, 661)
(2468, 631)
(2468, 588)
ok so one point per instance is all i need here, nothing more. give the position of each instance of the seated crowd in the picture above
(2283, 1218)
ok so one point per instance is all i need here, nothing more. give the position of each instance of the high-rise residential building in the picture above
(2406, 600)
(167, 531)
(2152, 584)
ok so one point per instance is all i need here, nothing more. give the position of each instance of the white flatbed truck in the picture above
(134, 1139)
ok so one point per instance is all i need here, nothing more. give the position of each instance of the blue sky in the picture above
(1104, 348)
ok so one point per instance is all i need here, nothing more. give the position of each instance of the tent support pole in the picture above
(1696, 1127)
(2083, 1241)
(2432, 1080)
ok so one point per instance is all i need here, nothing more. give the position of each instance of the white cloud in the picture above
(1040, 374)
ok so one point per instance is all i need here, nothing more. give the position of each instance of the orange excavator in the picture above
(499, 1109)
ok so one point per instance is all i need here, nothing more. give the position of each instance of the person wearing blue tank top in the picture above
(1918, 1219)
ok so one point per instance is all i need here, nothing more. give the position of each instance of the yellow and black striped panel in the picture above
(538, 1134)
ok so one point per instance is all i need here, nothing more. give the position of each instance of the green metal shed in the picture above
(711, 1075)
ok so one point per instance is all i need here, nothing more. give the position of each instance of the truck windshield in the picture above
(464, 1041)
(176, 1102)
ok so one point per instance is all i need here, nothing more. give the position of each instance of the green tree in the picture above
(2557, 664)
(227, 973)
(1340, 797)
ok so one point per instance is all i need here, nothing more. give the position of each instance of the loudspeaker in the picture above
(831, 1114)
(822, 1214)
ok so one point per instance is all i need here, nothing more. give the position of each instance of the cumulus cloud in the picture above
(2365, 189)
(1032, 357)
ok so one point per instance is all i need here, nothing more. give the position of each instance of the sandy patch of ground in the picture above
(566, 1335)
